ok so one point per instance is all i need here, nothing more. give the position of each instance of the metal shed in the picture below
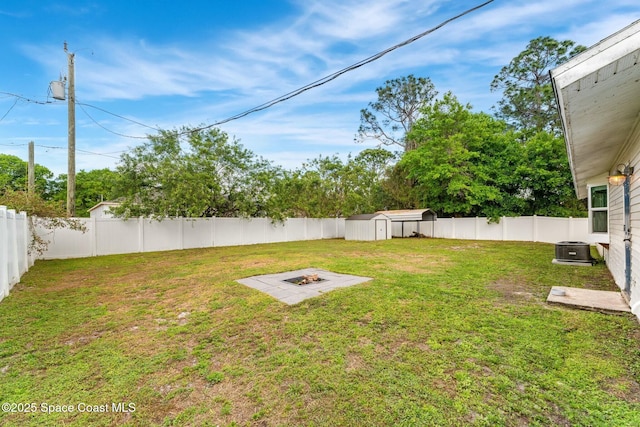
(367, 227)
(409, 222)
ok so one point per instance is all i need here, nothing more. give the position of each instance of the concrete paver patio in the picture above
(289, 293)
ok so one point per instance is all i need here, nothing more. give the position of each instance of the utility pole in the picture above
(71, 168)
(31, 171)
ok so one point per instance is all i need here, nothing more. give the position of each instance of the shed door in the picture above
(381, 229)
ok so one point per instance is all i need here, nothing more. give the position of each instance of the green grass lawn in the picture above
(448, 333)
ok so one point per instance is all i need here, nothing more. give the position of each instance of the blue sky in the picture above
(167, 64)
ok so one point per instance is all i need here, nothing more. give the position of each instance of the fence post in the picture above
(213, 231)
(535, 228)
(24, 235)
(181, 232)
(504, 228)
(14, 269)
(93, 238)
(265, 230)
(140, 234)
(571, 226)
(4, 253)
(477, 229)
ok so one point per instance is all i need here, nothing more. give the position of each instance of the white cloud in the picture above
(592, 32)
(171, 84)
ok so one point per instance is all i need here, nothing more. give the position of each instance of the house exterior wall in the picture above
(630, 155)
(616, 235)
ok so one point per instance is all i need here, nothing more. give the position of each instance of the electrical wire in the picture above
(280, 99)
(337, 74)
(118, 116)
(78, 150)
(107, 129)
(53, 147)
(9, 110)
(26, 99)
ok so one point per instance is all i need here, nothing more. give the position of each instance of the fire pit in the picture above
(279, 285)
(305, 280)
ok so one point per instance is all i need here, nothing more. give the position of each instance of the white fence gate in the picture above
(14, 245)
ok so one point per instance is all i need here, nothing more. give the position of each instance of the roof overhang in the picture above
(107, 204)
(366, 217)
(410, 215)
(598, 93)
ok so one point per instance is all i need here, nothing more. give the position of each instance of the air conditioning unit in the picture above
(573, 253)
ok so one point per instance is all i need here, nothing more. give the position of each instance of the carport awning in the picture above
(410, 215)
(365, 217)
(598, 92)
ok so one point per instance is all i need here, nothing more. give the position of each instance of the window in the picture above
(598, 210)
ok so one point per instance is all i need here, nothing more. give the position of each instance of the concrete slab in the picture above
(289, 293)
(573, 263)
(589, 299)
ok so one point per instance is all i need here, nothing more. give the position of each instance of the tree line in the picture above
(433, 151)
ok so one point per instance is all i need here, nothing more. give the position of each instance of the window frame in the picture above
(594, 209)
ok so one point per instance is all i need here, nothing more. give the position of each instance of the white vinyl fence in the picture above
(115, 236)
(524, 228)
(14, 243)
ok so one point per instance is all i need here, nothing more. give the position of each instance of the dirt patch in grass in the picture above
(627, 389)
(466, 247)
(512, 290)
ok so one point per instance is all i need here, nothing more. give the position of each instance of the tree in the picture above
(212, 176)
(42, 214)
(13, 175)
(464, 162)
(399, 105)
(398, 189)
(370, 168)
(528, 101)
(330, 187)
(545, 177)
(92, 187)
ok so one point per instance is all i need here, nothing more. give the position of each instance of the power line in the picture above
(53, 147)
(282, 98)
(26, 99)
(9, 110)
(105, 128)
(119, 116)
(337, 74)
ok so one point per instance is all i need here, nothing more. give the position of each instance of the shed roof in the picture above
(366, 217)
(599, 99)
(410, 215)
(103, 204)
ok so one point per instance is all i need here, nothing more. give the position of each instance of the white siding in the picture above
(616, 235)
(630, 155)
